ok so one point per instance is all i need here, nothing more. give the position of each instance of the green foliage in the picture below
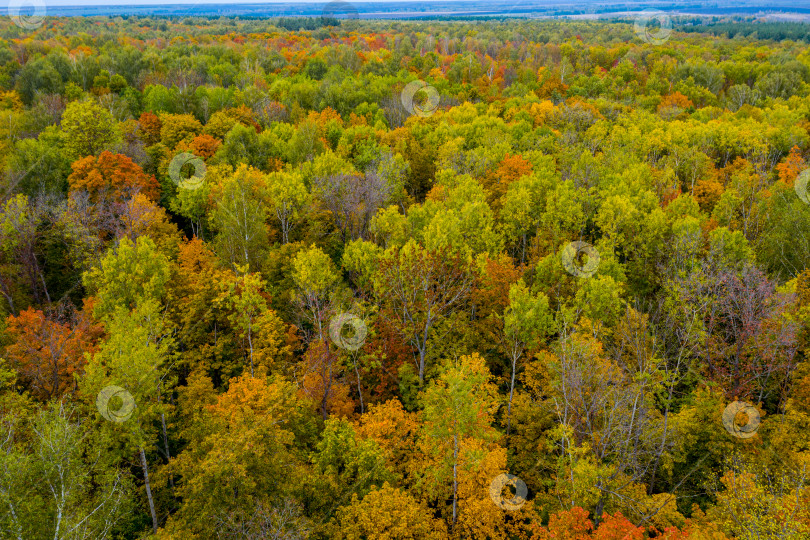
(129, 275)
(87, 129)
(57, 479)
(239, 218)
(567, 271)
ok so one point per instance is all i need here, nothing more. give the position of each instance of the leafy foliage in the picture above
(358, 317)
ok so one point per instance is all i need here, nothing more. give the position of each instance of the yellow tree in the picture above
(240, 458)
(762, 503)
(396, 431)
(387, 513)
(458, 412)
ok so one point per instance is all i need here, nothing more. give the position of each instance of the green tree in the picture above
(245, 299)
(419, 290)
(128, 275)
(316, 278)
(350, 465)
(239, 218)
(132, 359)
(57, 479)
(457, 406)
(288, 198)
(241, 458)
(526, 321)
(87, 129)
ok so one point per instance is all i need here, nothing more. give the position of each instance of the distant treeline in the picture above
(306, 23)
(735, 26)
(763, 30)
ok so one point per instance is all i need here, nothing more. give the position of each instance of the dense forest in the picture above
(512, 279)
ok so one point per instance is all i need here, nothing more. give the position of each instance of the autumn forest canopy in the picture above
(358, 279)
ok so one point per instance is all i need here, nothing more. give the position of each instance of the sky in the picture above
(163, 2)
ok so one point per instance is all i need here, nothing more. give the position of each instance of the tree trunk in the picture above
(7, 293)
(327, 387)
(421, 366)
(455, 478)
(600, 506)
(511, 393)
(148, 489)
(250, 344)
(359, 388)
(423, 353)
(166, 445)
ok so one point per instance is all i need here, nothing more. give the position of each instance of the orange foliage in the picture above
(707, 192)
(792, 165)
(510, 169)
(322, 118)
(724, 174)
(141, 217)
(82, 50)
(243, 113)
(513, 167)
(355, 120)
(569, 525)
(380, 380)
(675, 100)
(492, 294)
(150, 128)
(46, 353)
(550, 84)
(617, 527)
(394, 429)
(111, 175)
(437, 193)
(274, 164)
(320, 386)
(541, 111)
(205, 145)
(574, 525)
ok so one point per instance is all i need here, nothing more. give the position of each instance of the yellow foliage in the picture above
(541, 111)
(387, 514)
